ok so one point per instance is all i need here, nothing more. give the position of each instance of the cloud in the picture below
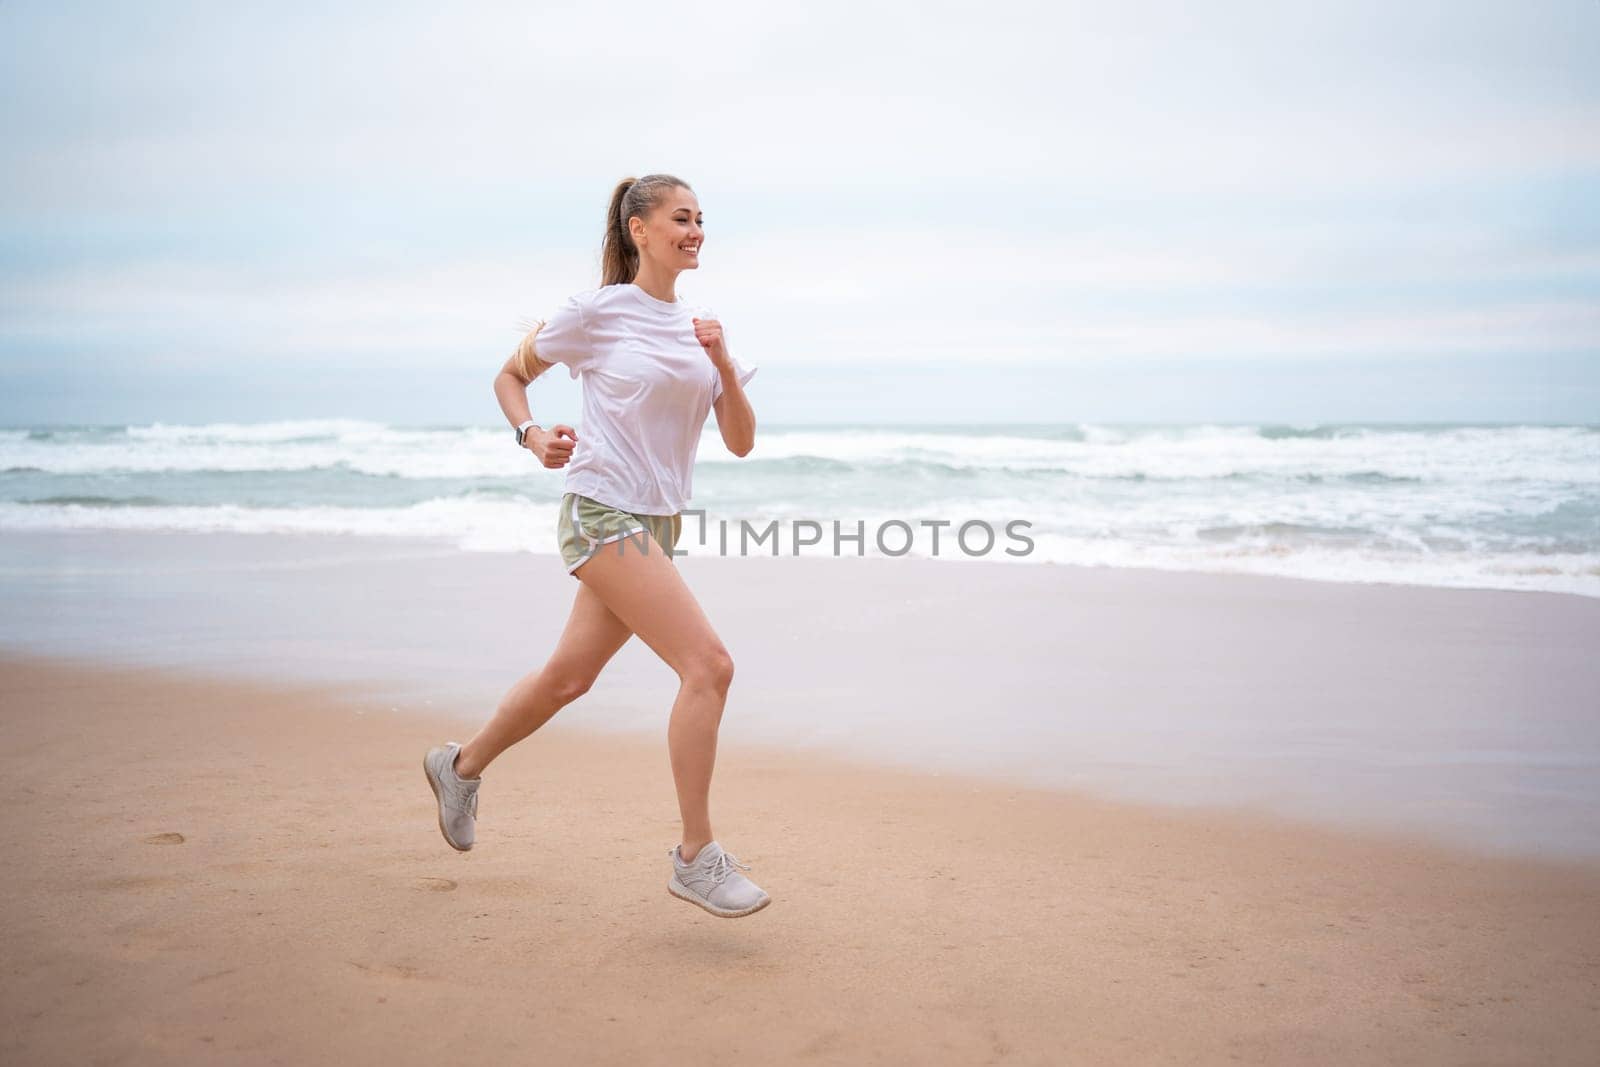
(1159, 97)
(889, 183)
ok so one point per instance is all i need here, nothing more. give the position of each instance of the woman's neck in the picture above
(662, 288)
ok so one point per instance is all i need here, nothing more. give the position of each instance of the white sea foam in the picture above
(1510, 507)
(473, 524)
(1529, 452)
(289, 430)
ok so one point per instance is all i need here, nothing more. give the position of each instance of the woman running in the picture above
(651, 371)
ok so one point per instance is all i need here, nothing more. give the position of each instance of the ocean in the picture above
(1489, 506)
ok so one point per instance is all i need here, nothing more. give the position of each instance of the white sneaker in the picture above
(457, 796)
(713, 882)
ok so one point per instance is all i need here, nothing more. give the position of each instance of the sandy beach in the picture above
(243, 872)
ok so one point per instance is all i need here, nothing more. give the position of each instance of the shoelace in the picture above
(466, 796)
(721, 867)
(724, 865)
(467, 800)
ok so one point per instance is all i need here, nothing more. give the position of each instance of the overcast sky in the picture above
(914, 211)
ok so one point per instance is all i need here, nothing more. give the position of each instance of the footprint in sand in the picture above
(164, 839)
(138, 882)
(404, 971)
(438, 885)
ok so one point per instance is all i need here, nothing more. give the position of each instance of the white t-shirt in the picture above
(648, 386)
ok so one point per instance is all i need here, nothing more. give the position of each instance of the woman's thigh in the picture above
(593, 635)
(645, 591)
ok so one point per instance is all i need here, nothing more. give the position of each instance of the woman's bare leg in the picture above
(643, 588)
(592, 636)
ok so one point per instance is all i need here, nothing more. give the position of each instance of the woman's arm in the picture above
(552, 446)
(736, 419)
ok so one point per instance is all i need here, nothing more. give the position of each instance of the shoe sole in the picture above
(721, 913)
(427, 772)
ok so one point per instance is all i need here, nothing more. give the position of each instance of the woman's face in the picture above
(672, 235)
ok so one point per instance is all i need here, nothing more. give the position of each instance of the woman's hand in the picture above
(550, 447)
(709, 333)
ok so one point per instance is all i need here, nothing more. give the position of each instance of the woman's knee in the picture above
(566, 686)
(710, 668)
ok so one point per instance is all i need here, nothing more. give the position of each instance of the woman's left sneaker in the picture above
(713, 881)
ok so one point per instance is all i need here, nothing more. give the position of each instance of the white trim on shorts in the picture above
(577, 524)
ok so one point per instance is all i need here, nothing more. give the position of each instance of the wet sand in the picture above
(1465, 714)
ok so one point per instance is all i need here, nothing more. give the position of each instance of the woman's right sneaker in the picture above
(713, 881)
(457, 796)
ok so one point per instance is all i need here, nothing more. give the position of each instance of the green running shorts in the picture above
(585, 525)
